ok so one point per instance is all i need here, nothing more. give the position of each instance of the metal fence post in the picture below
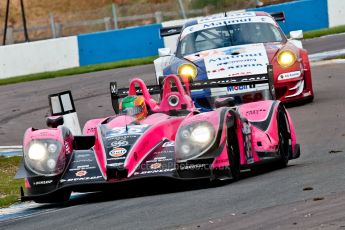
(115, 19)
(182, 9)
(58, 30)
(159, 16)
(107, 23)
(52, 25)
(10, 35)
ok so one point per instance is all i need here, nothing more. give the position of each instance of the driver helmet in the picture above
(134, 106)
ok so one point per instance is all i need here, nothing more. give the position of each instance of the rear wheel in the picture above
(284, 135)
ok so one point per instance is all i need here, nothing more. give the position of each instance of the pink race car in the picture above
(146, 138)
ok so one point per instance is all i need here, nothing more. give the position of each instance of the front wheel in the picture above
(284, 135)
(234, 156)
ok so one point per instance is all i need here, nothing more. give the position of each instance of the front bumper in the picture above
(293, 91)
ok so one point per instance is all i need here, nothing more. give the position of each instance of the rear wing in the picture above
(171, 30)
(117, 93)
(278, 16)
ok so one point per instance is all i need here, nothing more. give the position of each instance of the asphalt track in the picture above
(25, 104)
(307, 194)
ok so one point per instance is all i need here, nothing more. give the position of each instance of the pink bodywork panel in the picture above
(151, 137)
(51, 134)
(181, 94)
(90, 126)
(259, 112)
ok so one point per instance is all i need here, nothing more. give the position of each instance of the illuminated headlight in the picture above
(37, 151)
(44, 157)
(201, 134)
(187, 71)
(286, 58)
(193, 140)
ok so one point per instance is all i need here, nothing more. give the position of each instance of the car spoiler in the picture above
(171, 30)
(117, 93)
(278, 16)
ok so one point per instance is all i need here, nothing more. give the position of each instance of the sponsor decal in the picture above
(117, 164)
(83, 155)
(43, 182)
(290, 75)
(118, 152)
(133, 129)
(255, 112)
(240, 88)
(81, 173)
(236, 61)
(246, 129)
(79, 161)
(194, 166)
(222, 17)
(82, 167)
(210, 22)
(159, 159)
(247, 142)
(81, 179)
(119, 143)
(91, 130)
(155, 171)
(156, 166)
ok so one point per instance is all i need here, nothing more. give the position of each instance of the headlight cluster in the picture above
(192, 140)
(188, 71)
(286, 58)
(43, 157)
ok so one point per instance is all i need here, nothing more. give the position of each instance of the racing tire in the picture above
(233, 155)
(59, 197)
(284, 144)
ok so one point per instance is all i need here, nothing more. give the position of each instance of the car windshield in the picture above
(228, 35)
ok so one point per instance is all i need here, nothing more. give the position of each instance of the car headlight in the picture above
(286, 58)
(188, 71)
(44, 157)
(193, 140)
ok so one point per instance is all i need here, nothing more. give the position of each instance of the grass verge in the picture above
(323, 32)
(78, 70)
(9, 187)
(340, 57)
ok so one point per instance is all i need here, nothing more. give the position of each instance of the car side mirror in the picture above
(296, 35)
(54, 121)
(163, 52)
(224, 102)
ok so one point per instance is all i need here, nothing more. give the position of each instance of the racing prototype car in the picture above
(172, 140)
(238, 44)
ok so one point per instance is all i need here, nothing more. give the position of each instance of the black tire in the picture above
(59, 197)
(234, 155)
(284, 144)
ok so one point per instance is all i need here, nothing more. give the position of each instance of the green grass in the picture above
(323, 32)
(78, 70)
(337, 57)
(340, 57)
(9, 187)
